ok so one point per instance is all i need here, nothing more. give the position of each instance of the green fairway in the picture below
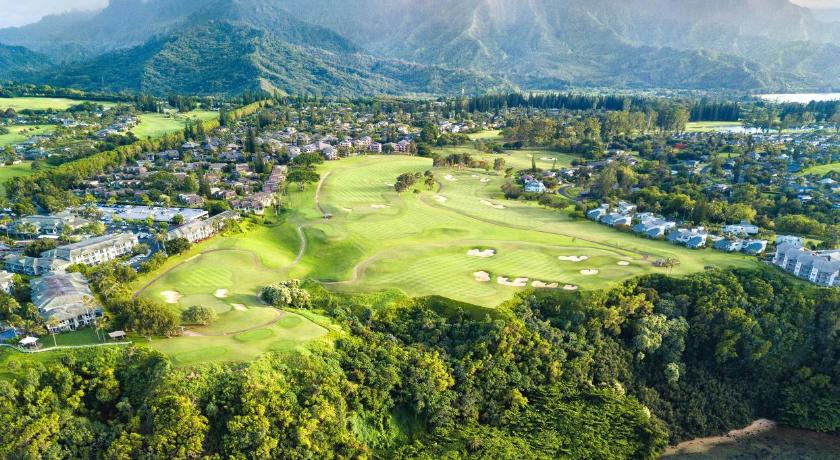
(418, 243)
(20, 133)
(43, 103)
(822, 170)
(290, 332)
(8, 172)
(710, 126)
(490, 135)
(153, 125)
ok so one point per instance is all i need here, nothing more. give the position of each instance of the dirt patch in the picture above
(492, 205)
(239, 307)
(441, 199)
(542, 285)
(518, 282)
(482, 277)
(623, 263)
(589, 272)
(220, 293)
(171, 297)
(189, 333)
(573, 258)
(451, 178)
(570, 287)
(481, 253)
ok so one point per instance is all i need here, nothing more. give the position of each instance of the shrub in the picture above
(286, 294)
(199, 314)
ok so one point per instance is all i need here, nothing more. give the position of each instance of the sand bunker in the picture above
(485, 180)
(589, 272)
(480, 253)
(388, 185)
(220, 293)
(189, 333)
(450, 178)
(171, 296)
(482, 277)
(379, 206)
(570, 287)
(547, 159)
(541, 285)
(474, 175)
(441, 199)
(573, 258)
(624, 263)
(518, 282)
(239, 306)
(346, 209)
(492, 205)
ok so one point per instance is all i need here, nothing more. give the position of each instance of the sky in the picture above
(21, 12)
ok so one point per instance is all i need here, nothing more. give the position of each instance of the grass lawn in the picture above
(11, 171)
(43, 103)
(489, 135)
(821, 170)
(20, 133)
(291, 332)
(153, 125)
(710, 126)
(419, 242)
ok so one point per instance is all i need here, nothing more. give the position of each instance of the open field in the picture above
(821, 170)
(11, 171)
(710, 126)
(43, 103)
(20, 133)
(419, 242)
(518, 159)
(763, 439)
(490, 135)
(159, 124)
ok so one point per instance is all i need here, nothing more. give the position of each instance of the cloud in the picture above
(818, 4)
(22, 12)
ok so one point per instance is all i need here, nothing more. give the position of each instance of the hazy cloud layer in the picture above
(818, 3)
(20, 12)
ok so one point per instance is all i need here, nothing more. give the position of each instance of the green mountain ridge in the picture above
(226, 58)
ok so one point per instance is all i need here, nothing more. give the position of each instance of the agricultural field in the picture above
(18, 134)
(821, 170)
(43, 103)
(153, 125)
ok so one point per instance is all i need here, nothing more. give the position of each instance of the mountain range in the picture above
(356, 47)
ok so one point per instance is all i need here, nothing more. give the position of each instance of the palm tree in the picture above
(52, 325)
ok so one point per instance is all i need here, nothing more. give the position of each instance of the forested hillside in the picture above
(535, 44)
(609, 374)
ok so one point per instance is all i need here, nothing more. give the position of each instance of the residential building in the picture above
(52, 225)
(34, 266)
(7, 281)
(744, 228)
(821, 268)
(615, 219)
(65, 301)
(95, 251)
(534, 186)
(694, 238)
(202, 229)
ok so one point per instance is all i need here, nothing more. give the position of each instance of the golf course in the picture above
(154, 125)
(44, 103)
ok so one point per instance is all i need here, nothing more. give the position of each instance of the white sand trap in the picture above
(480, 253)
(492, 205)
(485, 180)
(189, 333)
(474, 175)
(542, 285)
(346, 209)
(518, 282)
(570, 287)
(220, 293)
(379, 206)
(623, 263)
(589, 272)
(547, 159)
(441, 199)
(171, 296)
(239, 306)
(450, 178)
(482, 277)
(573, 258)
(388, 185)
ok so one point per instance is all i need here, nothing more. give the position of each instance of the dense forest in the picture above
(608, 374)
